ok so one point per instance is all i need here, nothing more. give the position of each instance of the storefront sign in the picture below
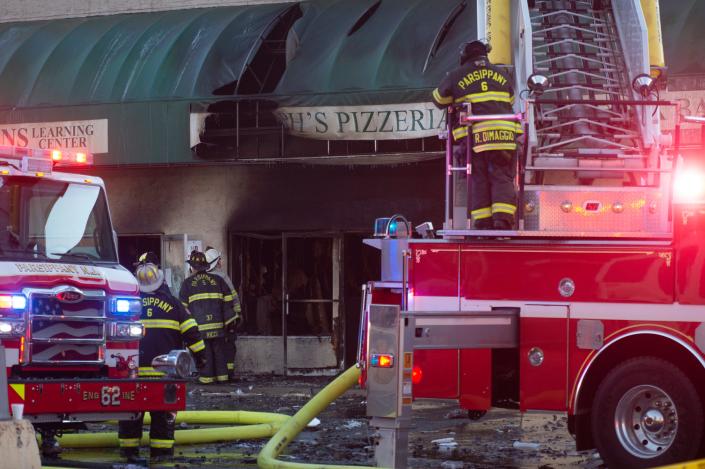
(380, 122)
(88, 135)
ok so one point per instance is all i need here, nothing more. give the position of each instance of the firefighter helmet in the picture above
(212, 257)
(198, 261)
(473, 49)
(149, 276)
(148, 257)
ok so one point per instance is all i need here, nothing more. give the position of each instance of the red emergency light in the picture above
(35, 160)
(18, 302)
(71, 158)
(689, 185)
(416, 375)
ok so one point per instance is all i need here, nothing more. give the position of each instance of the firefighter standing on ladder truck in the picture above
(209, 299)
(167, 324)
(487, 89)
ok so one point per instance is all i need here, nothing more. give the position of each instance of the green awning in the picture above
(133, 57)
(372, 52)
(682, 26)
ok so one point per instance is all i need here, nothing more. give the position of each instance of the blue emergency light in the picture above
(395, 226)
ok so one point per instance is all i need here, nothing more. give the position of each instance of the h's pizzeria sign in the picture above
(380, 122)
(88, 135)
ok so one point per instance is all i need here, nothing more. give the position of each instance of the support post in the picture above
(389, 387)
(449, 164)
(4, 403)
(460, 186)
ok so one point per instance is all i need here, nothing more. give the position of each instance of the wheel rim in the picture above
(646, 421)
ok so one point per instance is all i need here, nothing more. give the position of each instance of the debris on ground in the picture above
(441, 433)
(526, 445)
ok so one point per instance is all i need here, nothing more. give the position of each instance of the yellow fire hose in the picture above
(225, 417)
(254, 425)
(267, 458)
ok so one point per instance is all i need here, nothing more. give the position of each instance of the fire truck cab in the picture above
(595, 304)
(69, 312)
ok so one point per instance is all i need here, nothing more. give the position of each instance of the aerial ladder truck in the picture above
(595, 304)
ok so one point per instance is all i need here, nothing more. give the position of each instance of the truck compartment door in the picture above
(543, 356)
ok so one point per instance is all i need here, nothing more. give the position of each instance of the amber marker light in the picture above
(382, 360)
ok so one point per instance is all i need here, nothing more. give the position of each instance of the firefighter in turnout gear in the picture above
(209, 299)
(168, 326)
(488, 90)
(213, 257)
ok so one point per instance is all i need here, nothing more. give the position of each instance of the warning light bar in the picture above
(57, 156)
(37, 160)
(70, 158)
(382, 360)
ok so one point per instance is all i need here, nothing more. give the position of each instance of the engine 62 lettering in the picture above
(109, 395)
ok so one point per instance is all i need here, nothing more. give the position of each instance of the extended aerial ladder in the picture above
(578, 49)
(594, 160)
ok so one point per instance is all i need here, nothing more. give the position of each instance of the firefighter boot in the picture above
(50, 447)
(161, 454)
(502, 224)
(483, 224)
(132, 456)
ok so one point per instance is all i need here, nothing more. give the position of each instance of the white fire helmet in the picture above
(150, 277)
(212, 257)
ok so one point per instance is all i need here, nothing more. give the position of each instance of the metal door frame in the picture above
(174, 237)
(337, 259)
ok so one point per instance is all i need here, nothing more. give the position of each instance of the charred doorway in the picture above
(300, 294)
(130, 246)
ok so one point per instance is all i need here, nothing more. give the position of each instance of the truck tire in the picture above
(646, 413)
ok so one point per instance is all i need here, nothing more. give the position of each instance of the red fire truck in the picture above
(595, 305)
(69, 313)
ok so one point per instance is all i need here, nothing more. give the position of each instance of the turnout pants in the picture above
(216, 368)
(161, 434)
(230, 351)
(493, 192)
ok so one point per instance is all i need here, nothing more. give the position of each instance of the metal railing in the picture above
(662, 175)
(523, 47)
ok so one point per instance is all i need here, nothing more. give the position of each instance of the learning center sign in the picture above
(378, 122)
(87, 135)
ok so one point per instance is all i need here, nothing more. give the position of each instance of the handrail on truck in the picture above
(467, 118)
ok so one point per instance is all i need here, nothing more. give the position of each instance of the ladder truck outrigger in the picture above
(69, 312)
(595, 305)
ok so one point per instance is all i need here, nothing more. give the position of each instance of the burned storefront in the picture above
(276, 133)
